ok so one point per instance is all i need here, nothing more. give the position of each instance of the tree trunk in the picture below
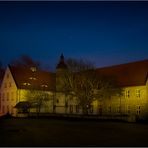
(85, 110)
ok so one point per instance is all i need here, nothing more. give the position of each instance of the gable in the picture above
(8, 80)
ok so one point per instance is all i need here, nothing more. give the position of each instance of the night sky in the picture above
(106, 33)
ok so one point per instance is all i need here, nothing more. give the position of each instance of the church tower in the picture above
(61, 68)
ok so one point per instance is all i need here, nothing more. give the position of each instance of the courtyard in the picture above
(61, 132)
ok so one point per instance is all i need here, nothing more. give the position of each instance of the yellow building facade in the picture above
(133, 77)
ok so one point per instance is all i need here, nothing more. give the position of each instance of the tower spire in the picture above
(61, 63)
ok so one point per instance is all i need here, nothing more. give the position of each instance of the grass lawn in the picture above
(55, 132)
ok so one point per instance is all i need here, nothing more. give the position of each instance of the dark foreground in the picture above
(55, 132)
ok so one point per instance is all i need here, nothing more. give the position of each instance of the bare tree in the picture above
(25, 61)
(37, 99)
(82, 82)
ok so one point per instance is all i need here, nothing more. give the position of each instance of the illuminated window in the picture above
(32, 78)
(26, 84)
(127, 93)
(138, 93)
(44, 85)
(33, 69)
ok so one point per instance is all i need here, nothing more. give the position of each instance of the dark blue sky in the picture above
(105, 33)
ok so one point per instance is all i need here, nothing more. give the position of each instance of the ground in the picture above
(62, 132)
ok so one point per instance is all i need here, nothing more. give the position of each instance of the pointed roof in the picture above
(61, 63)
(27, 78)
(130, 74)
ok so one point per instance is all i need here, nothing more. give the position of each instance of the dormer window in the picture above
(33, 69)
(32, 78)
(26, 84)
(44, 85)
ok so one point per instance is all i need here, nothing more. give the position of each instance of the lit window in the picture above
(26, 84)
(32, 78)
(138, 93)
(33, 69)
(44, 85)
(127, 94)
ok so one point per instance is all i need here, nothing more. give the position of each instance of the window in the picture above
(7, 75)
(26, 84)
(138, 110)
(71, 109)
(119, 109)
(128, 109)
(44, 86)
(77, 108)
(32, 78)
(7, 108)
(7, 96)
(3, 96)
(91, 108)
(12, 96)
(5, 85)
(9, 84)
(109, 109)
(3, 109)
(57, 100)
(127, 93)
(137, 93)
(33, 69)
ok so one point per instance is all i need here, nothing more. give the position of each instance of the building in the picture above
(133, 78)
(18, 82)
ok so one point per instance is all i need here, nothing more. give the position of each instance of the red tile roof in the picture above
(130, 74)
(25, 78)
